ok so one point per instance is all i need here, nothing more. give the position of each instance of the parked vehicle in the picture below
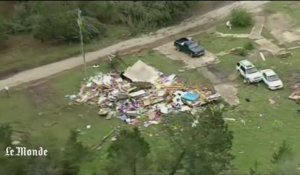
(271, 79)
(190, 47)
(248, 71)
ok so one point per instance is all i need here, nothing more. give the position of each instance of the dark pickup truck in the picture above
(189, 46)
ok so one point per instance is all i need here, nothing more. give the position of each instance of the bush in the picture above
(22, 21)
(63, 26)
(241, 51)
(105, 11)
(143, 15)
(249, 46)
(113, 62)
(58, 20)
(241, 18)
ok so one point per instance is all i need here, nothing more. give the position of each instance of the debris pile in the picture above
(141, 95)
(295, 95)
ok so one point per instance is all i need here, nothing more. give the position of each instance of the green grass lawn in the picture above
(260, 137)
(227, 63)
(216, 44)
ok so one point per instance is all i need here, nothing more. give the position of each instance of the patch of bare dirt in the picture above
(232, 35)
(223, 77)
(267, 45)
(257, 28)
(229, 93)
(283, 28)
(227, 90)
(41, 94)
(294, 81)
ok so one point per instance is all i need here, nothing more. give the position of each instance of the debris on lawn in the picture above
(6, 89)
(17, 137)
(230, 119)
(50, 124)
(262, 56)
(243, 122)
(284, 54)
(272, 102)
(195, 123)
(141, 95)
(295, 95)
(95, 66)
(237, 51)
(15, 142)
(228, 24)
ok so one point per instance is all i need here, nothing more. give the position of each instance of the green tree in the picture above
(254, 170)
(56, 163)
(284, 161)
(74, 154)
(249, 46)
(3, 31)
(22, 18)
(287, 167)
(9, 165)
(284, 152)
(40, 166)
(105, 11)
(142, 15)
(127, 155)
(5, 135)
(241, 18)
(57, 21)
(204, 148)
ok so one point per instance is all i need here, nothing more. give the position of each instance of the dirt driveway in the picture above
(169, 51)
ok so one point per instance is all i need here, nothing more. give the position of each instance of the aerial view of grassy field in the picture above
(42, 113)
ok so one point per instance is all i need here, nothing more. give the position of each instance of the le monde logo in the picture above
(23, 151)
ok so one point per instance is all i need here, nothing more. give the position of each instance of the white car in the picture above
(248, 71)
(271, 79)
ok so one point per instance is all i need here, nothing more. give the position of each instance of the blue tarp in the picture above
(190, 96)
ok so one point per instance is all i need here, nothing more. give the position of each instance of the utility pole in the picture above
(79, 22)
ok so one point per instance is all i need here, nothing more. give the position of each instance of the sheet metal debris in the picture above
(145, 99)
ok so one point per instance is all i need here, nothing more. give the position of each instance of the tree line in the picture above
(48, 21)
(197, 145)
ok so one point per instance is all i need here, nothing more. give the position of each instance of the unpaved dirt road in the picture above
(132, 44)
